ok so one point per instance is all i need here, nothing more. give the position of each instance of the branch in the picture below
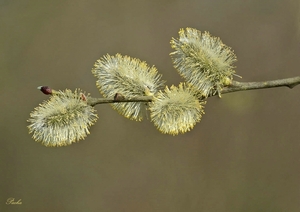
(97, 101)
(236, 86)
(244, 86)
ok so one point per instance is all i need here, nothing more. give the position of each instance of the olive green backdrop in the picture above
(242, 156)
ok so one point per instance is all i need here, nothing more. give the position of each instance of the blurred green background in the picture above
(242, 156)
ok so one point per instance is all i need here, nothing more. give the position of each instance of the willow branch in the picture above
(236, 86)
(244, 86)
(97, 101)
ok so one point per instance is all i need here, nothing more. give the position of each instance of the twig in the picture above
(96, 101)
(244, 86)
(236, 86)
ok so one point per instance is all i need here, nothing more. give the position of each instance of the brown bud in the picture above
(45, 89)
(83, 97)
(118, 97)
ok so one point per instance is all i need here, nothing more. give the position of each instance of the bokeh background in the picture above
(242, 156)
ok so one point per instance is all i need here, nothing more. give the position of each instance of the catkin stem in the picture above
(236, 86)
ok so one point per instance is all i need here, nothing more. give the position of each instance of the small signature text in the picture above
(13, 201)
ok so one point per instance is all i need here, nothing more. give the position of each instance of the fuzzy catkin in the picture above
(63, 119)
(129, 77)
(176, 109)
(203, 60)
